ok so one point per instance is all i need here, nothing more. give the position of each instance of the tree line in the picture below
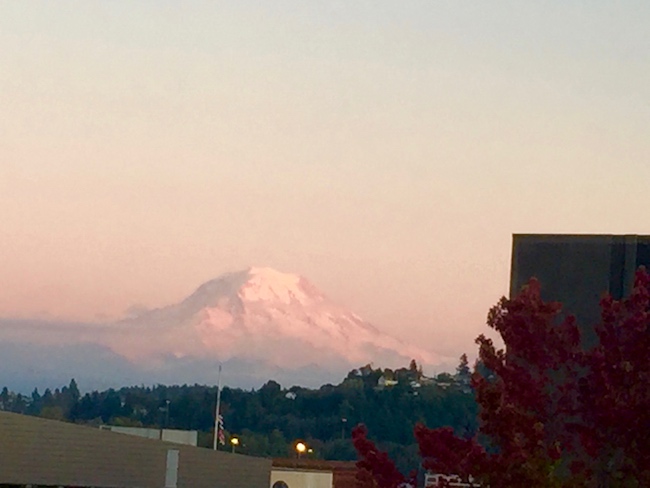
(268, 421)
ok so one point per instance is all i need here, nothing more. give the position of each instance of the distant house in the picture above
(432, 480)
(40, 452)
(383, 382)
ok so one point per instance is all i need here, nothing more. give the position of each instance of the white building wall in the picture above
(187, 437)
(303, 478)
(137, 431)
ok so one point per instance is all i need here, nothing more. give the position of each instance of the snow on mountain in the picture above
(260, 315)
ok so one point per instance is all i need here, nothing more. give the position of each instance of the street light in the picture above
(300, 448)
(234, 441)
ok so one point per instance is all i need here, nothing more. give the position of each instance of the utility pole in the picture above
(216, 413)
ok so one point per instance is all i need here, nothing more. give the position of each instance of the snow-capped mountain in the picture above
(260, 323)
(260, 315)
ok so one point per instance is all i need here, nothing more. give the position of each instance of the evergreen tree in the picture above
(463, 373)
(35, 405)
(5, 403)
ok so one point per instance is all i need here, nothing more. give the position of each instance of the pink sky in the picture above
(387, 152)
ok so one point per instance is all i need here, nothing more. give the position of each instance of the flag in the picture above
(222, 435)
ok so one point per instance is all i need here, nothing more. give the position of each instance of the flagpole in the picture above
(216, 413)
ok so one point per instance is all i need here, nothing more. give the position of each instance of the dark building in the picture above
(578, 269)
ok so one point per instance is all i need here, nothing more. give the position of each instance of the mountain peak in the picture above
(268, 272)
(262, 314)
(268, 284)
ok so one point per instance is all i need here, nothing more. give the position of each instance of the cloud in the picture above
(27, 366)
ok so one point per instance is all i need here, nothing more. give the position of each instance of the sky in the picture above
(385, 150)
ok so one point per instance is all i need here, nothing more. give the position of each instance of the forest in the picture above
(269, 421)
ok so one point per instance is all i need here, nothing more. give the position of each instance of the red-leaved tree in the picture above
(614, 397)
(551, 413)
(375, 467)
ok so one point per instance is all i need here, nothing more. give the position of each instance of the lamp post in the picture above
(300, 448)
(234, 442)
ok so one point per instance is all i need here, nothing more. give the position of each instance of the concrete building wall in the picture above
(136, 431)
(205, 468)
(187, 437)
(35, 451)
